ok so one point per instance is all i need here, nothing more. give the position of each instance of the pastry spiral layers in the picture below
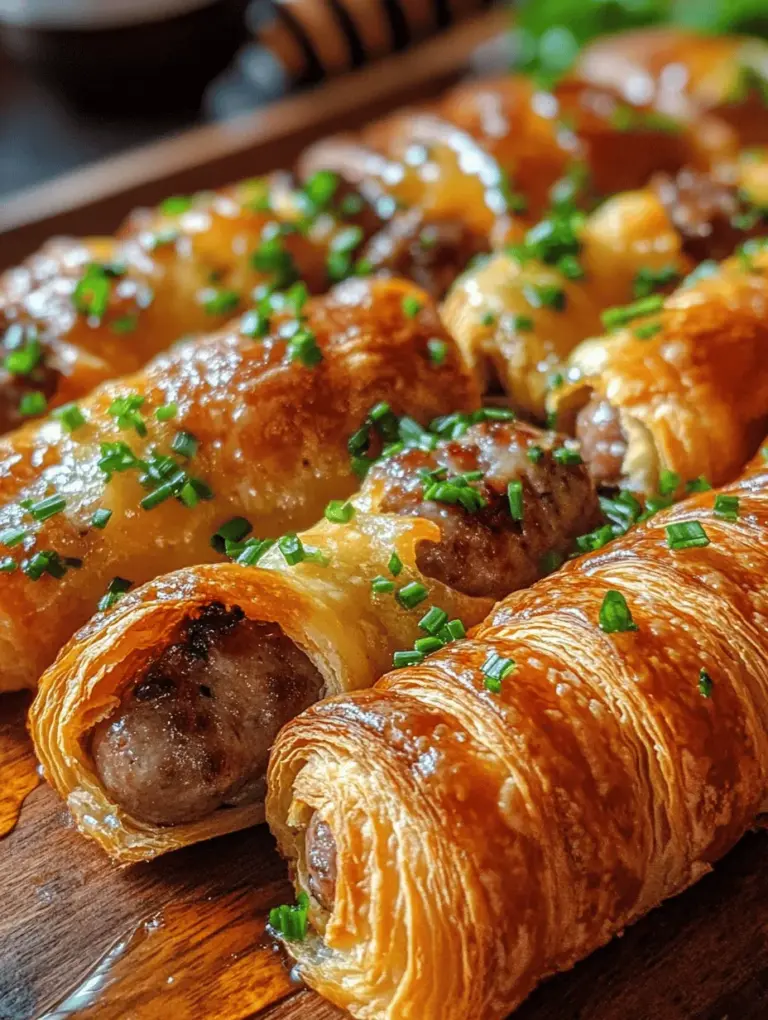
(518, 315)
(134, 484)
(461, 837)
(155, 722)
(680, 385)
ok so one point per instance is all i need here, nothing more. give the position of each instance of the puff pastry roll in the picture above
(491, 816)
(683, 73)
(80, 312)
(680, 385)
(518, 315)
(132, 482)
(155, 722)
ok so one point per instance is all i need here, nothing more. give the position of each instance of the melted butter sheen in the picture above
(185, 962)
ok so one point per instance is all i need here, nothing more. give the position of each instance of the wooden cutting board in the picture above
(183, 938)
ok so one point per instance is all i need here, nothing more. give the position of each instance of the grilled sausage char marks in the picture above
(486, 552)
(194, 733)
(193, 729)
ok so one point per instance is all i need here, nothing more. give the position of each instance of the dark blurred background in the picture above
(81, 79)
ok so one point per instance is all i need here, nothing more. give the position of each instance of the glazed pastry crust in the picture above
(484, 308)
(272, 437)
(486, 840)
(330, 612)
(692, 398)
(683, 72)
(170, 267)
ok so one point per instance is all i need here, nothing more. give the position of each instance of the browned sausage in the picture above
(194, 733)
(487, 551)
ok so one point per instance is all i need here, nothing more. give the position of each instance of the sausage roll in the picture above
(417, 195)
(518, 315)
(155, 722)
(132, 482)
(683, 73)
(678, 385)
(80, 312)
(490, 816)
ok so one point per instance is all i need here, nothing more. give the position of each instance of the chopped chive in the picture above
(12, 536)
(292, 548)
(522, 323)
(125, 324)
(453, 631)
(126, 411)
(534, 454)
(32, 404)
(48, 507)
(563, 455)
(594, 540)
(253, 551)
(647, 280)
(438, 350)
(158, 496)
(303, 347)
(118, 586)
(487, 319)
(615, 616)
(233, 530)
(411, 594)
(705, 684)
(647, 330)
(669, 483)
(380, 585)
(699, 484)
(339, 512)
(8, 564)
(255, 324)
(185, 444)
(70, 416)
(727, 507)
(91, 295)
(515, 499)
(221, 301)
(427, 645)
(100, 518)
(395, 564)
(411, 306)
(175, 205)
(291, 922)
(166, 412)
(433, 620)
(402, 659)
(495, 669)
(614, 318)
(23, 360)
(545, 295)
(686, 535)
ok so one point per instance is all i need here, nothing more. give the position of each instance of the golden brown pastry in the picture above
(518, 315)
(80, 312)
(683, 73)
(677, 384)
(134, 481)
(484, 819)
(155, 722)
(541, 138)
(417, 195)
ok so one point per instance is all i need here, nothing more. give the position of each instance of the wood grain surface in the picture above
(183, 937)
